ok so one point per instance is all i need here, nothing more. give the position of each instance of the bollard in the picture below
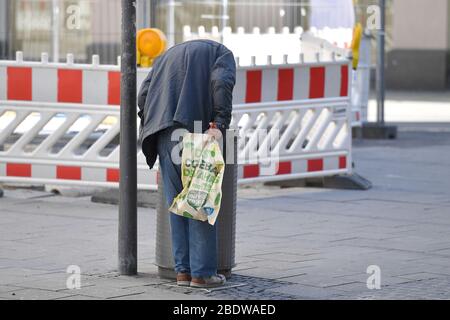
(163, 254)
(226, 221)
(226, 231)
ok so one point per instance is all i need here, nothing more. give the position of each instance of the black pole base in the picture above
(375, 130)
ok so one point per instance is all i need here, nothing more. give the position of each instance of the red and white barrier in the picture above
(306, 105)
(66, 85)
(63, 83)
(295, 82)
(86, 85)
(301, 168)
(95, 84)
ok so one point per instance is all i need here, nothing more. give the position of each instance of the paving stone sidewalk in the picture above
(296, 243)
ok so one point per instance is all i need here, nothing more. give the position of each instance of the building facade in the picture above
(419, 55)
(418, 36)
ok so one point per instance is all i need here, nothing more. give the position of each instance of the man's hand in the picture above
(213, 131)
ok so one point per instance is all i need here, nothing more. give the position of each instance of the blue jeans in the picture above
(194, 243)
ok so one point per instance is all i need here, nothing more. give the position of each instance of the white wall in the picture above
(419, 24)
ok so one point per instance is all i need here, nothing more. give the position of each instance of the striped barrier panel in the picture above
(299, 139)
(63, 143)
(291, 82)
(76, 174)
(88, 84)
(61, 82)
(296, 168)
(49, 143)
(100, 84)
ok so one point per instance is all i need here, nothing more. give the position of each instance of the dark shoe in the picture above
(184, 279)
(209, 282)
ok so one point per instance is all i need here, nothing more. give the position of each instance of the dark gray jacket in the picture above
(192, 81)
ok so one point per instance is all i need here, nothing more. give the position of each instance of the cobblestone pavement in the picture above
(296, 243)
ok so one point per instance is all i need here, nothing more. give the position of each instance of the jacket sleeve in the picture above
(223, 78)
(143, 93)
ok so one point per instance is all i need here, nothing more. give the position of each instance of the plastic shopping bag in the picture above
(202, 168)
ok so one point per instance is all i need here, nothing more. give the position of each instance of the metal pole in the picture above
(128, 166)
(152, 22)
(171, 23)
(10, 36)
(380, 64)
(224, 17)
(55, 30)
(145, 14)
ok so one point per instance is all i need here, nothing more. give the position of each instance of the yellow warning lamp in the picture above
(150, 43)
(356, 41)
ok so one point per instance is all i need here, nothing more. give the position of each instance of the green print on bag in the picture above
(187, 215)
(196, 199)
(217, 200)
(202, 168)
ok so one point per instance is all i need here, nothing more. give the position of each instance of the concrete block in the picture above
(145, 198)
(371, 130)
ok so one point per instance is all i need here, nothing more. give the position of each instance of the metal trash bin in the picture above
(226, 221)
